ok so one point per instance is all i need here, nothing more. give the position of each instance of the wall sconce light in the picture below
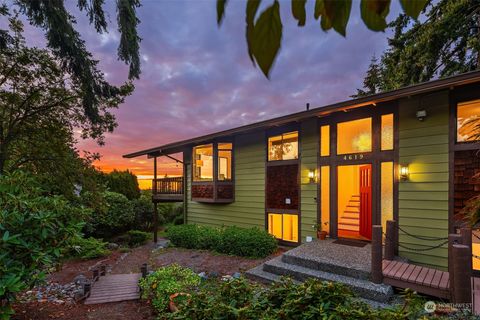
(404, 172)
(311, 176)
(421, 115)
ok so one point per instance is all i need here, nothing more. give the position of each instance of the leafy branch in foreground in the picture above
(264, 35)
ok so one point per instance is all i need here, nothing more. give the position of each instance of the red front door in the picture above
(366, 201)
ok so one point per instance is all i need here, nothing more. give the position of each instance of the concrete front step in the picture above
(259, 275)
(326, 266)
(274, 268)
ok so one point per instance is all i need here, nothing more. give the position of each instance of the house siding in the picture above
(309, 134)
(249, 174)
(423, 198)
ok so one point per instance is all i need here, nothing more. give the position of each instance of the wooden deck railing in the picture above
(173, 185)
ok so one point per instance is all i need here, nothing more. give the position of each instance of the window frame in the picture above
(281, 134)
(194, 166)
(474, 143)
(215, 182)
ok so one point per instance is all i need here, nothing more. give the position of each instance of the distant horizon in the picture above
(198, 79)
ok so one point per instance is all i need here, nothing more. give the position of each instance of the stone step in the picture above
(344, 269)
(363, 288)
(257, 274)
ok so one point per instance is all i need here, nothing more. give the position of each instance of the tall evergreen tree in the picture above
(446, 43)
(373, 79)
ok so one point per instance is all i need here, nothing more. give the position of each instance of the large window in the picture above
(224, 161)
(325, 140)
(354, 136)
(203, 163)
(387, 132)
(283, 226)
(283, 147)
(468, 118)
(212, 173)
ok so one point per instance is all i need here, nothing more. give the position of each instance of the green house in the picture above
(406, 155)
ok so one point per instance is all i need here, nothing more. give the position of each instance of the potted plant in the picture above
(321, 234)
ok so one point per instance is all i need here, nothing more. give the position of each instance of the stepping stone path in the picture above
(115, 288)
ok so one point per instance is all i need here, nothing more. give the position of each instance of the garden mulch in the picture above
(118, 262)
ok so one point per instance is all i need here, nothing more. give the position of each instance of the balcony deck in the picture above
(167, 189)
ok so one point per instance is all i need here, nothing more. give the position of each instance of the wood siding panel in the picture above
(248, 210)
(423, 199)
(309, 144)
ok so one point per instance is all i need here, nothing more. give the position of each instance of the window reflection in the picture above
(283, 147)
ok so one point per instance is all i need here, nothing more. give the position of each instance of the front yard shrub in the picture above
(112, 216)
(35, 232)
(158, 286)
(143, 210)
(254, 243)
(192, 236)
(137, 238)
(88, 248)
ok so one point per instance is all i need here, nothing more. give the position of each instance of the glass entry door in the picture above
(354, 201)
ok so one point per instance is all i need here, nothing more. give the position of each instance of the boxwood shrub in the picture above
(253, 242)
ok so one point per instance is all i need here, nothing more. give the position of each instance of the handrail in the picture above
(168, 185)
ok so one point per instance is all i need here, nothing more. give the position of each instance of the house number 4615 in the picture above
(353, 157)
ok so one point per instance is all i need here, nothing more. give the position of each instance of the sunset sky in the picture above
(197, 78)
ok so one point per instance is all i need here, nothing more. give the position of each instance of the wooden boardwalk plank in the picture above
(115, 288)
(421, 279)
(401, 271)
(408, 272)
(421, 275)
(389, 267)
(428, 278)
(415, 272)
(436, 279)
(394, 269)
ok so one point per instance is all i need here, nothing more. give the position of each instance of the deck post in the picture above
(376, 263)
(390, 240)
(466, 233)
(144, 270)
(462, 271)
(155, 211)
(453, 238)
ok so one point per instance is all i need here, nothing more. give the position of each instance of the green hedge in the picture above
(254, 243)
(137, 238)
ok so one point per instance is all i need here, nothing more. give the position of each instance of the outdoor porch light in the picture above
(404, 172)
(311, 176)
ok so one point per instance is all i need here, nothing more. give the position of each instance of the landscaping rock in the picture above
(54, 292)
(80, 279)
(236, 275)
(203, 275)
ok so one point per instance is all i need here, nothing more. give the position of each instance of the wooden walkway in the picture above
(421, 279)
(114, 288)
